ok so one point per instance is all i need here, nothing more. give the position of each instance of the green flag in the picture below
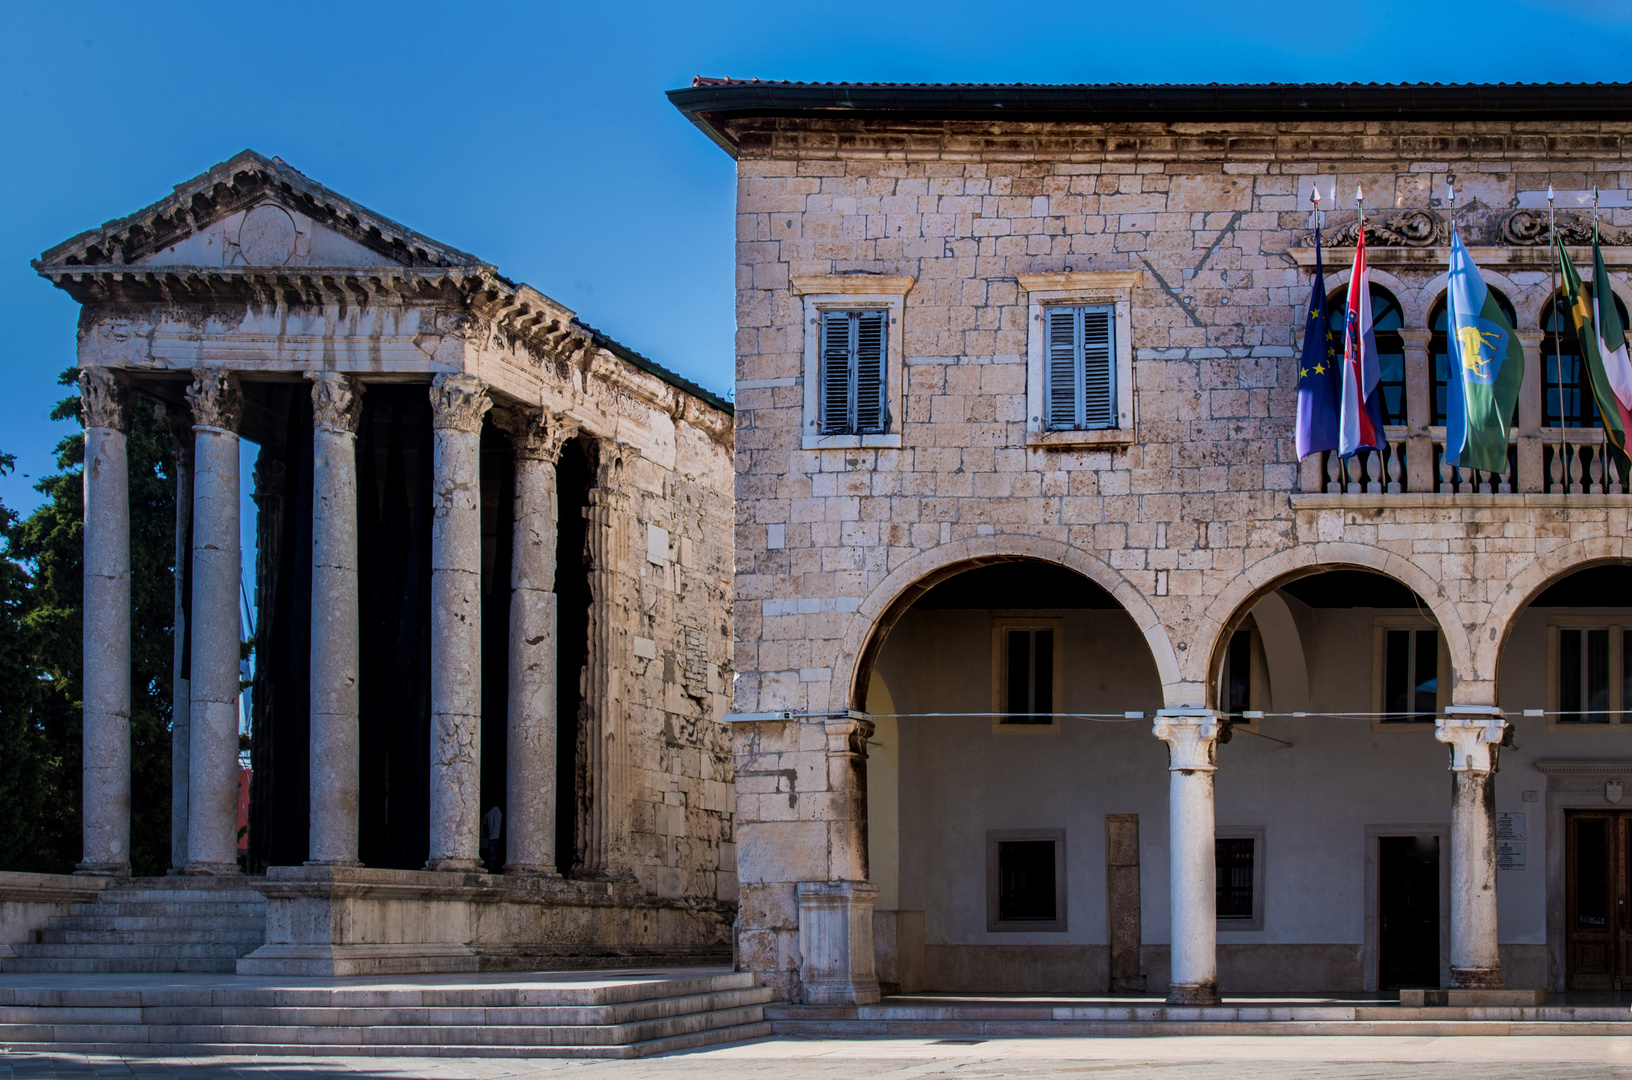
(1578, 303)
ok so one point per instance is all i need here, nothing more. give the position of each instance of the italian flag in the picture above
(1611, 337)
(1603, 349)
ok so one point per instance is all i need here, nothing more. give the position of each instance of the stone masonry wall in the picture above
(1199, 514)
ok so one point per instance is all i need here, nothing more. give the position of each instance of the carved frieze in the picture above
(1410, 228)
(458, 402)
(1478, 225)
(104, 401)
(216, 400)
(1529, 228)
(337, 401)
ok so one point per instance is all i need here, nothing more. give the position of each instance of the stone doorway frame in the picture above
(1571, 785)
(1370, 950)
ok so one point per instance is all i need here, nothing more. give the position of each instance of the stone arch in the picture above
(1529, 583)
(1413, 308)
(878, 612)
(1544, 294)
(1526, 300)
(1268, 574)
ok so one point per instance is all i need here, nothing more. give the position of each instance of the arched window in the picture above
(1560, 351)
(1439, 345)
(1385, 325)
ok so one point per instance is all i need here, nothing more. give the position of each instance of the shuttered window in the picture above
(853, 401)
(1079, 372)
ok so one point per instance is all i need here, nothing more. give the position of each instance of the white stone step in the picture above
(204, 909)
(201, 935)
(87, 966)
(132, 923)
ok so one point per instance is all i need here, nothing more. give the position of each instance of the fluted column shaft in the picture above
(1192, 741)
(336, 406)
(457, 403)
(530, 780)
(1474, 734)
(212, 805)
(106, 715)
(607, 529)
(181, 438)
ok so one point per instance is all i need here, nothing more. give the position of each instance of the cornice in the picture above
(1438, 258)
(852, 285)
(1569, 767)
(1081, 281)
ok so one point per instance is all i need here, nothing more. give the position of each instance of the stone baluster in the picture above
(1474, 733)
(1374, 470)
(836, 915)
(105, 407)
(1396, 466)
(1532, 477)
(181, 438)
(334, 736)
(607, 528)
(458, 402)
(212, 804)
(530, 769)
(1192, 737)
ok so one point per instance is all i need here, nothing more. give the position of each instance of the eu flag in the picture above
(1317, 373)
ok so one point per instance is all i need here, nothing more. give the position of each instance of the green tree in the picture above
(45, 552)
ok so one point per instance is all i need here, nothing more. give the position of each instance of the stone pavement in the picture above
(1185, 1058)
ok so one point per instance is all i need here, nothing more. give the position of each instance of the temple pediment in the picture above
(254, 211)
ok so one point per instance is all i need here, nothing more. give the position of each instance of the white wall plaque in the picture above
(1510, 855)
(1512, 826)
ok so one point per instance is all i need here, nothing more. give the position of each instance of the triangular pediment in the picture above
(254, 211)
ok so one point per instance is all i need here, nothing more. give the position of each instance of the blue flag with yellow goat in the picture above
(1486, 366)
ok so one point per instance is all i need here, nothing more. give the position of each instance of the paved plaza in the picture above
(1192, 1058)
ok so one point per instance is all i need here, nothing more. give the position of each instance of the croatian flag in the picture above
(1361, 402)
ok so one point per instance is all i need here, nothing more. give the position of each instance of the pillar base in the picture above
(212, 869)
(531, 870)
(1478, 978)
(103, 869)
(332, 862)
(836, 942)
(460, 866)
(1193, 994)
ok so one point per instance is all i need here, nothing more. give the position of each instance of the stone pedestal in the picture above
(106, 716)
(212, 807)
(1474, 733)
(457, 405)
(531, 765)
(836, 942)
(336, 405)
(1192, 740)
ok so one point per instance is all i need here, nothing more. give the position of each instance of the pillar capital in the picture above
(1414, 339)
(1473, 733)
(537, 434)
(216, 400)
(847, 736)
(1192, 737)
(458, 402)
(104, 401)
(337, 402)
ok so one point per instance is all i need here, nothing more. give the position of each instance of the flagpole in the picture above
(1450, 351)
(1603, 441)
(1558, 357)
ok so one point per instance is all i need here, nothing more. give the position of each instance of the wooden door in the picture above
(1597, 923)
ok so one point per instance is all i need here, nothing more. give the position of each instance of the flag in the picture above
(1360, 401)
(1317, 373)
(1611, 338)
(1486, 366)
(1580, 308)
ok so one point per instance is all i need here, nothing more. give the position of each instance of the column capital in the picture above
(337, 402)
(178, 424)
(536, 434)
(104, 401)
(847, 736)
(612, 472)
(458, 402)
(1414, 339)
(1473, 733)
(1192, 737)
(216, 399)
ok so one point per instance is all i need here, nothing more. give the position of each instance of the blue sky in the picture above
(537, 136)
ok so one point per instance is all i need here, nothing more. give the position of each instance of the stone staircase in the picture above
(605, 1015)
(169, 924)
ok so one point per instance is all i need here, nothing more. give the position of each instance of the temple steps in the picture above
(173, 924)
(630, 1019)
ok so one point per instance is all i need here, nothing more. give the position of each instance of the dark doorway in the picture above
(1407, 912)
(1597, 929)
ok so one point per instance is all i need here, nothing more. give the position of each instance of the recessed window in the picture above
(1410, 676)
(853, 370)
(1079, 381)
(1386, 321)
(1238, 866)
(1583, 675)
(1241, 684)
(1079, 358)
(1025, 880)
(854, 400)
(1026, 673)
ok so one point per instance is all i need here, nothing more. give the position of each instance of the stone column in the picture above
(836, 916)
(106, 717)
(530, 781)
(336, 407)
(181, 439)
(1419, 412)
(1532, 472)
(212, 806)
(1474, 732)
(1192, 737)
(607, 529)
(458, 402)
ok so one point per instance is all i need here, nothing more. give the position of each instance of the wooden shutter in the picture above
(1079, 368)
(853, 397)
(837, 335)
